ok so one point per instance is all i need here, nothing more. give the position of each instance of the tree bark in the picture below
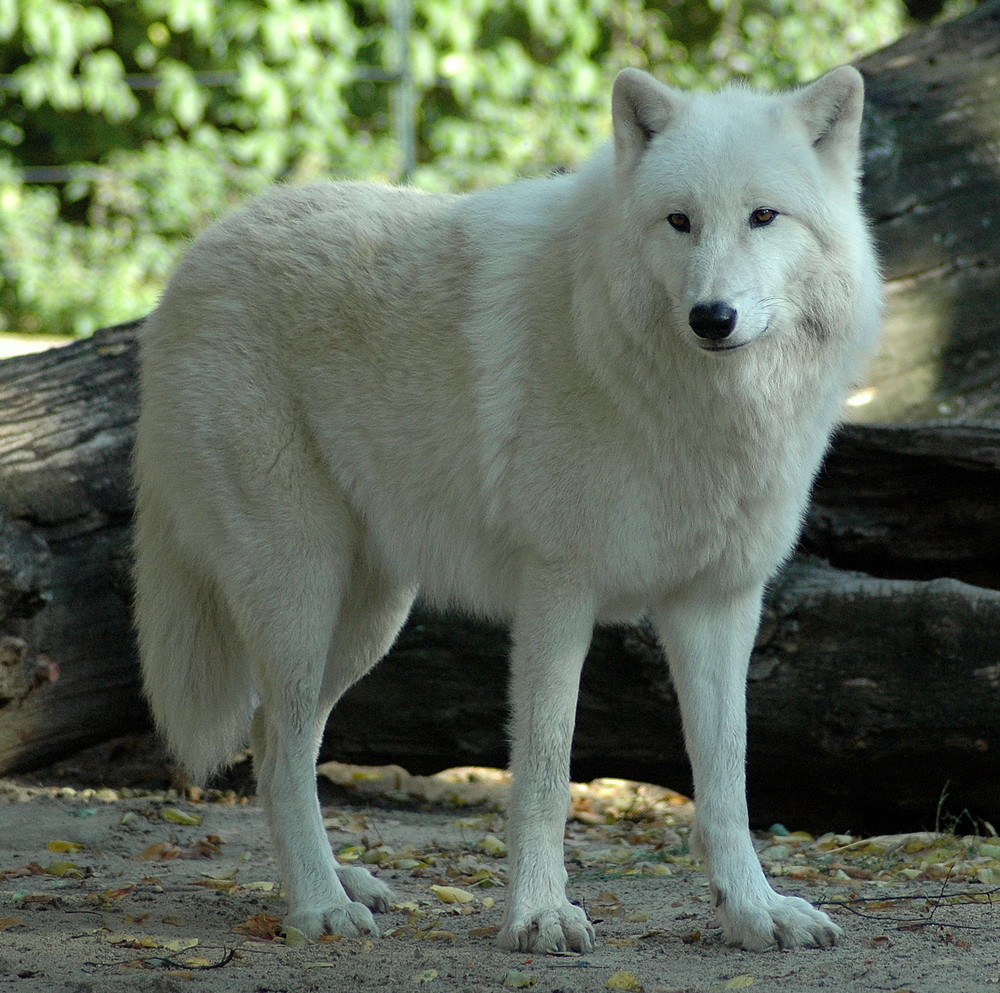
(911, 501)
(932, 125)
(69, 676)
(894, 674)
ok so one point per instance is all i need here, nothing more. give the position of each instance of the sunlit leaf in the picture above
(452, 894)
(180, 816)
(64, 847)
(624, 980)
(737, 983)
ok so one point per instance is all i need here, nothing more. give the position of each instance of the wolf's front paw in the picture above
(563, 928)
(777, 922)
(350, 920)
(363, 887)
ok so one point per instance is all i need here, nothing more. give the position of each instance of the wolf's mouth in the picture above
(710, 346)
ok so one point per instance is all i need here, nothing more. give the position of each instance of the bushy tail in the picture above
(194, 667)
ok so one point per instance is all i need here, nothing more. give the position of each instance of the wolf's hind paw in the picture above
(558, 929)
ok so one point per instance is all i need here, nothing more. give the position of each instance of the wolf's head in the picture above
(742, 206)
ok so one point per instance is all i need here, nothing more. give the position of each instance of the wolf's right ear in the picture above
(641, 107)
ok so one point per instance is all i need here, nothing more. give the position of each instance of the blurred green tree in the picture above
(136, 122)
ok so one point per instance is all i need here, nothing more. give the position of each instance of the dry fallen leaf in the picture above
(518, 980)
(262, 926)
(452, 894)
(164, 851)
(64, 847)
(293, 937)
(624, 980)
(222, 885)
(180, 944)
(180, 816)
(62, 869)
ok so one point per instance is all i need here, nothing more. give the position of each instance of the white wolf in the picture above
(571, 399)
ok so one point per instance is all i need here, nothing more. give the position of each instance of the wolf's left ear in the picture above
(831, 111)
(641, 107)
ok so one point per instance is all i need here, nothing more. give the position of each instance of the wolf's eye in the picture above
(679, 222)
(762, 216)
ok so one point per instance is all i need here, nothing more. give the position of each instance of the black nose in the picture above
(713, 321)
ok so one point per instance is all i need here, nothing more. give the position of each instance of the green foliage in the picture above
(253, 91)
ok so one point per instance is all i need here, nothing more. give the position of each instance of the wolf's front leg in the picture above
(708, 637)
(551, 634)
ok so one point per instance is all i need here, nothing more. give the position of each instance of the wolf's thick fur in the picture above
(571, 399)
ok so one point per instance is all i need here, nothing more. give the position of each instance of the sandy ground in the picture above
(106, 889)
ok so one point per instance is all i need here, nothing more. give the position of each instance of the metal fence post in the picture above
(405, 103)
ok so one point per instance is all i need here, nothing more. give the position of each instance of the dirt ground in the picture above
(118, 888)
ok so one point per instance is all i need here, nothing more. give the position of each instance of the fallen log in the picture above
(911, 501)
(855, 681)
(69, 677)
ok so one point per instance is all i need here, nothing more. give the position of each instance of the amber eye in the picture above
(762, 216)
(679, 222)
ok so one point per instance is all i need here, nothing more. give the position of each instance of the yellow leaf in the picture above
(222, 885)
(452, 894)
(406, 863)
(737, 983)
(222, 873)
(492, 845)
(518, 980)
(425, 975)
(133, 940)
(180, 944)
(61, 869)
(64, 847)
(294, 937)
(180, 816)
(624, 980)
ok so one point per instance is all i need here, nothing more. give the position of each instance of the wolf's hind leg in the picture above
(708, 634)
(284, 761)
(287, 609)
(323, 896)
(371, 616)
